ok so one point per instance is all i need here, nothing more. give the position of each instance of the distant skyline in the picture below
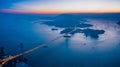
(60, 6)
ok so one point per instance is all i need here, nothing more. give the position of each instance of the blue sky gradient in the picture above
(60, 6)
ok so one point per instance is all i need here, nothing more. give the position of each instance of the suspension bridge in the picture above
(3, 61)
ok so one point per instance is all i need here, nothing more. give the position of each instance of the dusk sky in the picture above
(60, 6)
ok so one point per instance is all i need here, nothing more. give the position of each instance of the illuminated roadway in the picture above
(3, 61)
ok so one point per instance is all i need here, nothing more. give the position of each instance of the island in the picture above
(87, 32)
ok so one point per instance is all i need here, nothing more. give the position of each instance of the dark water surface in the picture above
(77, 51)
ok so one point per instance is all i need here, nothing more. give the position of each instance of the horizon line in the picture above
(28, 12)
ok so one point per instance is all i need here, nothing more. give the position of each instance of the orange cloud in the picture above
(58, 11)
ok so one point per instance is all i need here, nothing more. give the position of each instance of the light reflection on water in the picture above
(108, 40)
(80, 50)
(76, 51)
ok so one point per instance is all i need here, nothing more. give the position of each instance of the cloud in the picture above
(67, 5)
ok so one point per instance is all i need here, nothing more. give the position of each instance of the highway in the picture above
(3, 61)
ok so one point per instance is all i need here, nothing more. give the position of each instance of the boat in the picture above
(67, 35)
(53, 29)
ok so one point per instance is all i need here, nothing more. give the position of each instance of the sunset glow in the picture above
(62, 6)
(57, 11)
